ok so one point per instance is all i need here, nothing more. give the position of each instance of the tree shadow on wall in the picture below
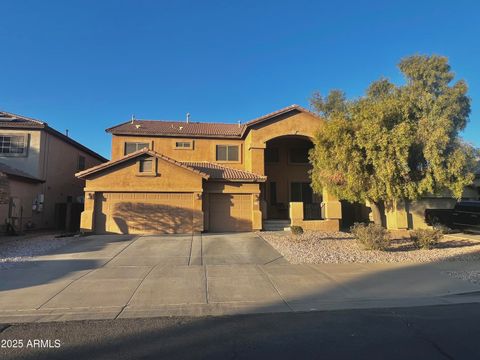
(135, 218)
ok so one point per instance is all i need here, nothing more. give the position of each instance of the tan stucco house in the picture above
(183, 177)
(38, 187)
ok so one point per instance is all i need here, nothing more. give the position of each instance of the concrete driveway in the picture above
(114, 276)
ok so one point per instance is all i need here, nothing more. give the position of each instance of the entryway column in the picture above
(331, 207)
(87, 216)
(198, 221)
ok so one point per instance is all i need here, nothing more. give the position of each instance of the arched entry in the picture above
(287, 170)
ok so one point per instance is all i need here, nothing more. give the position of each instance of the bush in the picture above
(426, 238)
(371, 236)
(296, 230)
(444, 229)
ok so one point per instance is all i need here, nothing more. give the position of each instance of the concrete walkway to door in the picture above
(120, 276)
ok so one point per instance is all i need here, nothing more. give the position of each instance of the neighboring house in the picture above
(38, 187)
(411, 214)
(183, 177)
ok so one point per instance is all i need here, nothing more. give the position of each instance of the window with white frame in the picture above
(183, 145)
(13, 145)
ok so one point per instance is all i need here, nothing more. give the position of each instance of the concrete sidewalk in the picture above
(108, 277)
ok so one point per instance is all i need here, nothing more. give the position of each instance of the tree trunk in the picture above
(376, 212)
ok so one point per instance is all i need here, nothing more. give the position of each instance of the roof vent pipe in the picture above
(238, 123)
(132, 119)
(66, 133)
(188, 117)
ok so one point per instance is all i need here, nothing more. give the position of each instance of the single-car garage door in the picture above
(230, 212)
(143, 213)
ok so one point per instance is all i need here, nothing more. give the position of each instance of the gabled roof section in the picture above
(220, 172)
(274, 114)
(13, 121)
(145, 151)
(197, 129)
(4, 168)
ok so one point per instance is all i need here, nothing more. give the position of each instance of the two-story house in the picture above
(38, 187)
(183, 177)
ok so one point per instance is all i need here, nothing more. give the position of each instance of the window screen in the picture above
(227, 153)
(146, 165)
(131, 147)
(81, 163)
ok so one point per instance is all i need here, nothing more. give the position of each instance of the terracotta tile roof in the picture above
(195, 129)
(220, 172)
(9, 120)
(108, 164)
(4, 168)
(177, 128)
(13, 121)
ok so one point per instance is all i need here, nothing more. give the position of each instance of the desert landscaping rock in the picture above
(315, 247)
(18, 249)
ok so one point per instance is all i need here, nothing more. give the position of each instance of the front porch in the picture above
(287, 196)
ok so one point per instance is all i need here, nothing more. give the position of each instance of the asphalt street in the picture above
(433, 332)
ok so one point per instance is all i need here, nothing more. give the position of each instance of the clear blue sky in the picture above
(88, 65)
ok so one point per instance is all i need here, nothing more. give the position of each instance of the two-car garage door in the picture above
(143, 213)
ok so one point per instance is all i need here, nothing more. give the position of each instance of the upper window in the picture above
(146, 166)
(81, 163)
(13, 145)
(227, 153)
(131, 147)
(271, 155)
(183, 145)
(299, 155)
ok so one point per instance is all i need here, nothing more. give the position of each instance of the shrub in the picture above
(444, 229)
(296, 230)
(426, 238)
(371, 236)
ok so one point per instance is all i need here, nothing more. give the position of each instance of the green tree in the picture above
(395, 142)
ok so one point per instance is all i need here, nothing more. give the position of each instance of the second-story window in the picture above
(13, 145)
(271, 155)
(183, 145)
(227, 153)
(81, 163)
(131, 147)
(299, 155)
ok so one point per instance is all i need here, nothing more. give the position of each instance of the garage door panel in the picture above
(146, 213)
(230, 212)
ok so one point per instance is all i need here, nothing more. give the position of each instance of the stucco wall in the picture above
(203, 149)
(125, 177)
(300, 123)
(59, 163)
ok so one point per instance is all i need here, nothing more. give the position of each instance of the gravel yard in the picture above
(315, 247)
(18, 249)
